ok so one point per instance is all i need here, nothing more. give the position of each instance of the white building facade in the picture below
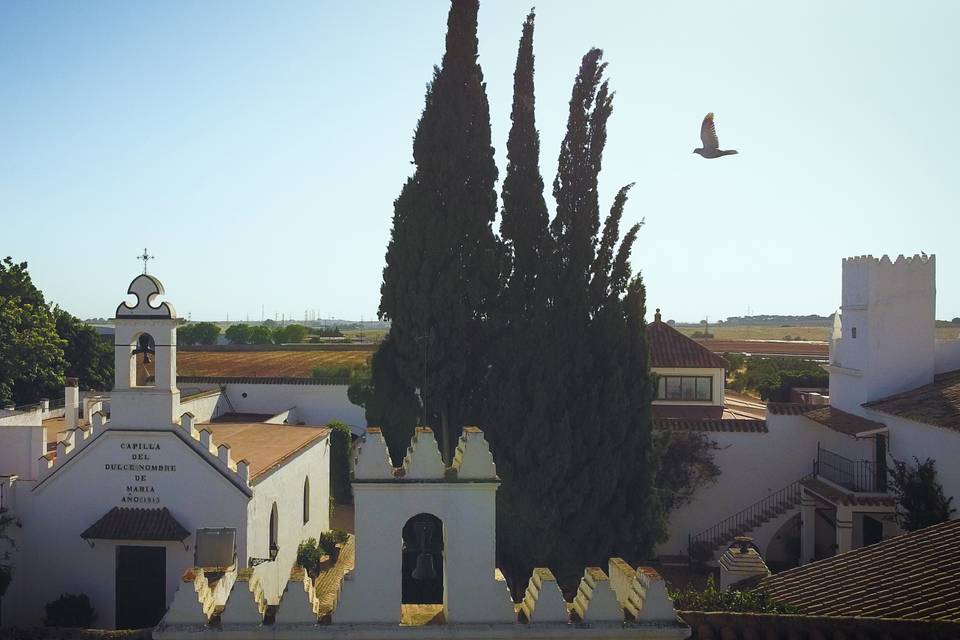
(811, 480)
(126, 501)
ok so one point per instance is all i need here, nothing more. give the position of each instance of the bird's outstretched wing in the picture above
(708, 133)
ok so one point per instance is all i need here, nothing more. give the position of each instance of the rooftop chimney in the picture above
(741, 561)
(71, 403)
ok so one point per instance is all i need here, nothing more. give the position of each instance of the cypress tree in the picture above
(443, 260)
(570, 419)
(524, 219)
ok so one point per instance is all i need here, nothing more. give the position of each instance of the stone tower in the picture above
(884, 342)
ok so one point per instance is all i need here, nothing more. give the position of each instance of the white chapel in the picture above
(126, 499)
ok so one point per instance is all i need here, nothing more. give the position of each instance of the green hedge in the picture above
(340, 462)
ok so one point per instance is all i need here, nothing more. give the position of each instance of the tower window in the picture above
(853, 332)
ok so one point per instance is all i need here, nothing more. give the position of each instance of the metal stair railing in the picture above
(760, 512)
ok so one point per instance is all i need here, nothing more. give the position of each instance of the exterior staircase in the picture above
(708, 541)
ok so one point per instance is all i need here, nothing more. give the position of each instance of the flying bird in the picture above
(711, 144)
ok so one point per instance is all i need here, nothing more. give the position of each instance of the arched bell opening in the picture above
(143, 361)
(423, 561)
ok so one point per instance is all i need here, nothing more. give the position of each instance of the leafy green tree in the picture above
(443, 260)
(920, 498)
(260, 334)
(31, 352)
(238, 334)
(685, 464)
(290, 334)
(89, 358)
(205, 333)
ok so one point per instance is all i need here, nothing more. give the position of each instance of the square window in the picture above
(673, 389)
(704, 388)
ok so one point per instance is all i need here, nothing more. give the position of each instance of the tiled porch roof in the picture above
(828, 416)
(130, 523)
(839, 496)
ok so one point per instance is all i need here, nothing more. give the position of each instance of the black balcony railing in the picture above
(855, 475)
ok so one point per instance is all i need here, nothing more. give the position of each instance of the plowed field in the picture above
(264, 364)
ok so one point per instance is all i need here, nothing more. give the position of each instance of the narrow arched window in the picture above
(306, 500)
(274, 546)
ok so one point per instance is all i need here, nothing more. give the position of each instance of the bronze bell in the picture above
(424, 569)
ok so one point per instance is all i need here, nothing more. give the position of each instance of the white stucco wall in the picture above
(20, 447)
(947, 355)
(315, 404)
(54, 559)
(204, 407)
(908, 439)
(284, 487)
(468, 513)
(754, 465)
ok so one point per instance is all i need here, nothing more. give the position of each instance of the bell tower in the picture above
(145, 390)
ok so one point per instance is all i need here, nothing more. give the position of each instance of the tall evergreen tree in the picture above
(569, 414)
(443, 260)
(524, 219)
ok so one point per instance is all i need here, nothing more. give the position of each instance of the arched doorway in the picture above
(423, 562)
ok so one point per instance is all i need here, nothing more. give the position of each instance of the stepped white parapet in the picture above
(423, 461)
(595, 600)
(543, 600)
(473, 459)
(244, 605)
(655, 604)
(186, 607)
(373, 459)
(298, 603)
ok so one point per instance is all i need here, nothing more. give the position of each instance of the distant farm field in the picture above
(768, 332)
(264, 364)
(761, 332)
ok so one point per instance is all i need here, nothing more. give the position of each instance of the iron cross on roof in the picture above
(145, 257)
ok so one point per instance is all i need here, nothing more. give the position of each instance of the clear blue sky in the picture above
(256, 148)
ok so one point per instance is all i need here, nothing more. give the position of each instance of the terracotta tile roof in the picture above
(263, 445)
(915, 576)
(836, 495)
(670, 348)
(841, 421)
(726, 426)
(828, 416)
(937, 403)
(253, 380)
(750, 626)
(687, 412)
(785, 408)
(128, 523)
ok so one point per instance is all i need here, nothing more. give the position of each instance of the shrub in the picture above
(340, 462)
(308, 557)
(70, 610)
(713, 599)
(330, 539)
(920, 499)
